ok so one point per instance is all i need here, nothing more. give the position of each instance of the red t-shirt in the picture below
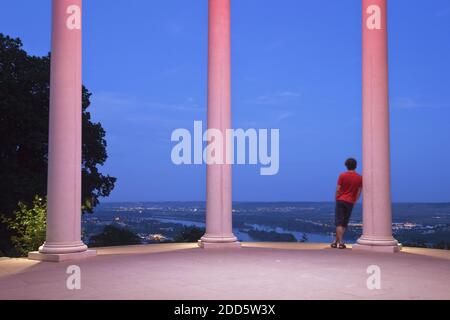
(350, 183)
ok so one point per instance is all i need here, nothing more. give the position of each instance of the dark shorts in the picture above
(343, 213)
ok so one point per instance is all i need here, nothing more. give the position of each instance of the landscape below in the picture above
(414, 224)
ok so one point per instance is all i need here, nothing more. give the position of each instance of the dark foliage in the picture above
(24, 114)
(114, 236)
(271, 236)
(189, 234)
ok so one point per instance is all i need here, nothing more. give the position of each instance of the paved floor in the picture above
(257, 271)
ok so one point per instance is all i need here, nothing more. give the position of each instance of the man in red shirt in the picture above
(348, 191)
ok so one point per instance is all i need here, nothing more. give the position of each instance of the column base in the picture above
(382, 249)
(219, 245)
(211, 242)
(384, 245)
(61, 257)
(61, 248)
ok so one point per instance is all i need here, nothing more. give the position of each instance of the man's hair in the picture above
(351, 164)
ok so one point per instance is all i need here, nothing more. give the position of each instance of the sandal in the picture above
(342, 246)
(334, 245)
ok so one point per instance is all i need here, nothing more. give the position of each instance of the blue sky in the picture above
(296, 67)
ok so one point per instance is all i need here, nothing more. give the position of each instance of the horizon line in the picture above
(264, 201)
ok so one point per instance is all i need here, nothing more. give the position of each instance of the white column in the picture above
(377, 212)
(63, 238)
(219, 231)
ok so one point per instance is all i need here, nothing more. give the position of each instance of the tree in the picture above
(189, 234)
(271, 236)
(442, 245)
(24, 115)
(114, 236)
(304, 238)
(28, 226)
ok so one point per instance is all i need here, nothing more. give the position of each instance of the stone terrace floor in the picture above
(256, 271)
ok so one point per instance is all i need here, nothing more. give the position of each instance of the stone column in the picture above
(219, 231)
(63, 241)
(377, 211)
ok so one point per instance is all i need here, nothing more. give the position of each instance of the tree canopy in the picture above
(189, 234)
(24, 117)
(114, 236)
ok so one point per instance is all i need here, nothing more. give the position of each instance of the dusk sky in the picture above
(296, 67)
